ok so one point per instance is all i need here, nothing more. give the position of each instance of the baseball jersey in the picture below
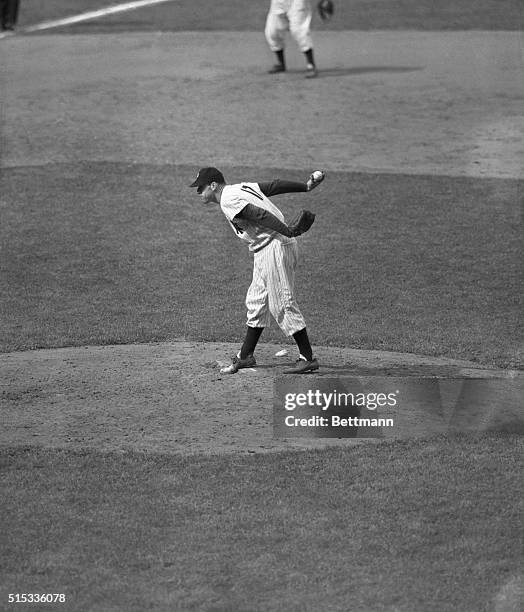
(234, 199)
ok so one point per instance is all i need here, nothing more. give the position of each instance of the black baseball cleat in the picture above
(303, 366)
(311, 71)
(237, 364)
(277, 68)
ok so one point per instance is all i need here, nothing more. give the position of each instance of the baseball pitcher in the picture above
(254, 218)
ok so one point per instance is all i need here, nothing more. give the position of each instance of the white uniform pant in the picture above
(271, 290)
(296, 19)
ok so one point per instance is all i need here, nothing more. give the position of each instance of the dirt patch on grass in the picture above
(171, 397)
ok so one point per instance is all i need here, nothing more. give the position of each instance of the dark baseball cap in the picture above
(206, 176)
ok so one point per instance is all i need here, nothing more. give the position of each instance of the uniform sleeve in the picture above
(279, 186)
(265, 219)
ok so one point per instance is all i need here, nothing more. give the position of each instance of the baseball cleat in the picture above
(303, 366)
(237, 364)
(315, 178)
(311, 71)
(277, 68)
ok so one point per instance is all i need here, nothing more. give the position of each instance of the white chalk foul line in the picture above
(110, 10)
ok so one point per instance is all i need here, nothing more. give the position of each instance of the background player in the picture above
(293, 16)
(254, 218)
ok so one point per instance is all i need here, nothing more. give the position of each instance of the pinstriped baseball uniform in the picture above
(255, 219)
(275, 261)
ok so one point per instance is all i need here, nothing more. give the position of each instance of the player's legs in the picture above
(257, 305)
(275, 32)
(257, 299)
(300, 28)
(280, 261)
(250, 341)
(257, 319)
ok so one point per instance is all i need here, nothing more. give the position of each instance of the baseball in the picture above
(317, 175)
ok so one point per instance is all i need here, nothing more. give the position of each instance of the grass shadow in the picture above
(358, 70)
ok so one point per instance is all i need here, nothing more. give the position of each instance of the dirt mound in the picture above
(171, 397)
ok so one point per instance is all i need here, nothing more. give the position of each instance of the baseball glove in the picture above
(325, 9)
(301, 223)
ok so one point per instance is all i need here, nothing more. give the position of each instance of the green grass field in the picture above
(112, 252)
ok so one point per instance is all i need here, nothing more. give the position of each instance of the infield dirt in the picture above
(447, 103)
(171, 398)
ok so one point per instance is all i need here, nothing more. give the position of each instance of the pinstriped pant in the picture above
(271, 290)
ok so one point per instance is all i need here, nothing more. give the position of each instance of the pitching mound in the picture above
(171, 397)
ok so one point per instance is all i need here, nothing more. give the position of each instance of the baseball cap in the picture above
(206, 176)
